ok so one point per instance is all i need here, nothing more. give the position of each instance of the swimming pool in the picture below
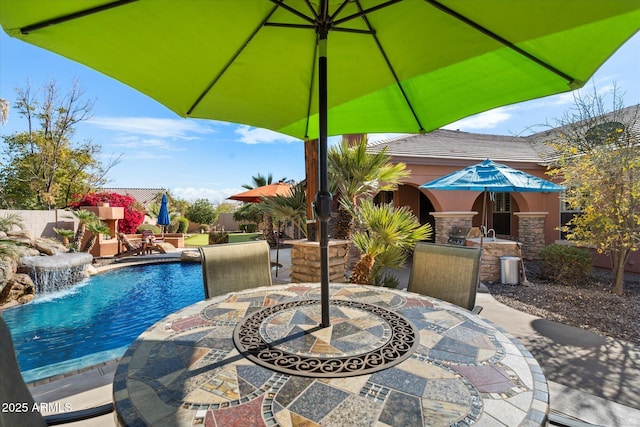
(97, 320)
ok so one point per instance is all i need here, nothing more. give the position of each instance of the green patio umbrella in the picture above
(313, 68)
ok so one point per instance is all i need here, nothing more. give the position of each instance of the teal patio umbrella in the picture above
(313, 68)
(492, 177)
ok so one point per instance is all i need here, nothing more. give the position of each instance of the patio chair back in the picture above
(447, 272)
(235, 266)
(13, 390)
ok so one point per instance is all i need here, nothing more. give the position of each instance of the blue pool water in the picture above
(96, 320)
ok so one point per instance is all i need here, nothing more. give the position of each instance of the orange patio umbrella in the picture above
(255, 195)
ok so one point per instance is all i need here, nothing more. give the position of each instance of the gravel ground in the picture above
(589, 304)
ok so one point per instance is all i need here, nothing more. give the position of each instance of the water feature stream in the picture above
(56, 272)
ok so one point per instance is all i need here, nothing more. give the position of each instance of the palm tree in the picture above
(260, 181)
(249, 212)
(387, 236)
(96, 228)
(84, 217)
(293, 207)
(65, 235)
(356, 174)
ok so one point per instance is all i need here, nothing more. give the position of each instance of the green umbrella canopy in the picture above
(313, 68)
(405, 66)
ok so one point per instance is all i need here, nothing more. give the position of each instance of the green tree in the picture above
(42, 168)
(386, 237)
(599, 160)
(356, 175)
(202, 211)
(225, 207)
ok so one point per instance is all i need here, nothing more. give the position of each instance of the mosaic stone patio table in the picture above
(389, 358)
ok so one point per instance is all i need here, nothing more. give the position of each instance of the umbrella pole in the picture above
(484, 217)
(323, 202)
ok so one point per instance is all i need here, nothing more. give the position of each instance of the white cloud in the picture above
(250, 135)
(487, 120)
(192, 194)
(152, 126)
(134, 141)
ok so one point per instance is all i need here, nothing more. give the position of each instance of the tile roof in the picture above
(451, 144)
(142, 195)
(457, 145)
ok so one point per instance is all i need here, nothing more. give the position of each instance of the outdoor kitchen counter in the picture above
(390, 357)
(475, 241)
(492, 251)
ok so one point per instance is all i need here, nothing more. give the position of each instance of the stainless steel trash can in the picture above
(509, 270)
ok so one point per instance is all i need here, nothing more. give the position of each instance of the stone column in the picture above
(445, 221)
(531, 233)
(305, 261)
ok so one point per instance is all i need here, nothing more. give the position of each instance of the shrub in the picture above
(217, 237)
(183, 225)
(248, 228)
(133, 210)
(11, 221)
(154, 228)
(204, 228)
(387, 280)
(565, 264)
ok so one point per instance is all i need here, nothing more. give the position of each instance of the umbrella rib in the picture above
(364, 12)
(81, 14)
(231, 61)
(573, 83)
(293, 10)
(390, 66)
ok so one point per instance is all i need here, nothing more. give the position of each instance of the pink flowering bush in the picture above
(133, 211)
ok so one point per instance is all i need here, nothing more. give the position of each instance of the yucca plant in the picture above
(388, 235)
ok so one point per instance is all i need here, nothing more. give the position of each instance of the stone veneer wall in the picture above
(445, 221)
(490, 267)
(305, 261)
(531, 233)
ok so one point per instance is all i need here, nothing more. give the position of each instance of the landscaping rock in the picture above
(190, 256)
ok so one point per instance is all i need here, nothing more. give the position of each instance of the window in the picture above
(502, 203)
(567, 213)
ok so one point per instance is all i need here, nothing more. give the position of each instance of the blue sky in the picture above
(208, 159)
